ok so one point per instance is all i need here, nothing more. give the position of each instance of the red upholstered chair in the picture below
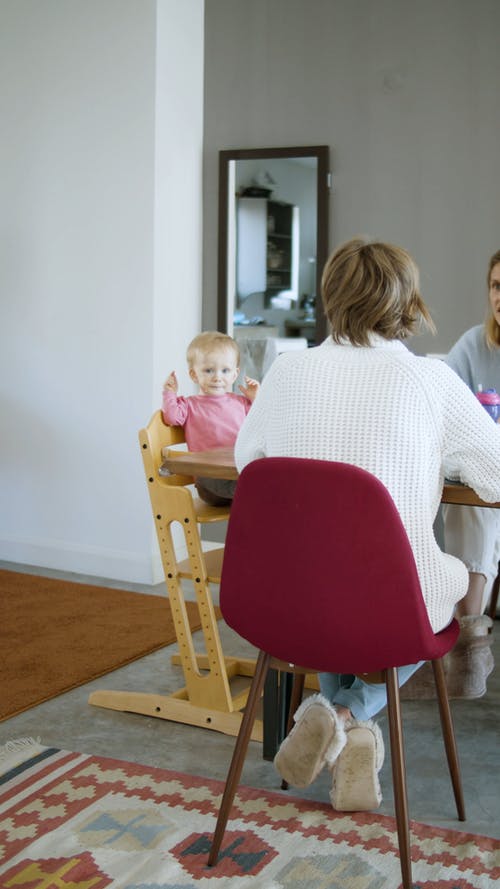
(318, 572)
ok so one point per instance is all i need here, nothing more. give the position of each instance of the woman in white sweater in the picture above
(362, 397)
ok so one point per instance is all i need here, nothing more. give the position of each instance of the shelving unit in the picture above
(268, 248)
(279, 253)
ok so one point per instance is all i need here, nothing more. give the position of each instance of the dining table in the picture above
(214, 463)
(220, 463)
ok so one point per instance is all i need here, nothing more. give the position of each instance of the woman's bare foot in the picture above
(343, 713)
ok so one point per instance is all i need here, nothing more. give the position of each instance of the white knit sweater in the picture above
(398, 416)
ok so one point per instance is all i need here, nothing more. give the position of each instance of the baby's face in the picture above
(215, 372)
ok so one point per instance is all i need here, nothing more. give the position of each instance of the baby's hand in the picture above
(250, 389)
(171, 383)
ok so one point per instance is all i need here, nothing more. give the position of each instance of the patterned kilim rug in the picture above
(72, 821)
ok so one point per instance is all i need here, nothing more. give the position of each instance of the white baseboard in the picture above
(95, 561)
(120, 565)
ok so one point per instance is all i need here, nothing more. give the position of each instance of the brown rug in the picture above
(56, 635)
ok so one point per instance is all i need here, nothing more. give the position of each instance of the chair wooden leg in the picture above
(399, 775)
(295, 702)
(494, 595)
(296, 698)
(449, 736)
(239, 753)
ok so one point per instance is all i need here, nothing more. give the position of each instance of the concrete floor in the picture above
(69, 722)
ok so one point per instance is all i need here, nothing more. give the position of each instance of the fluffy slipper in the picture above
(421, 686)
(315, 741)
(356, 787)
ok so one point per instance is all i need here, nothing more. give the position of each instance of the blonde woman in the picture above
(473, 535)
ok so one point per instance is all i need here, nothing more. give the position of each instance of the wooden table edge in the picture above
(219, 463)
(462, 495)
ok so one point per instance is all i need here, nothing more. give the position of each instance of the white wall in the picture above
(100, 208)
(405, 94)
(100, 218)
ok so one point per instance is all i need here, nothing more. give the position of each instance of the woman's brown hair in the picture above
(491, 327)
(372, 287)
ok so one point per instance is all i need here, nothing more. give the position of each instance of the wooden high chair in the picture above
(206, 699)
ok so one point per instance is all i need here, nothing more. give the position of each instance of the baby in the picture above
(212, 418)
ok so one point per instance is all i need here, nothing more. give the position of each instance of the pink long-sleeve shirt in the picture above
(210, 421)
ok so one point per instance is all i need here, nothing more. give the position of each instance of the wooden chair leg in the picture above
(399, 774)
(295, 699)
(449, 736)
(295, 702)
(494, 595)
(239, 753)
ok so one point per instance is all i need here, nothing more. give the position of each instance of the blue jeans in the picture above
(363, 699)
